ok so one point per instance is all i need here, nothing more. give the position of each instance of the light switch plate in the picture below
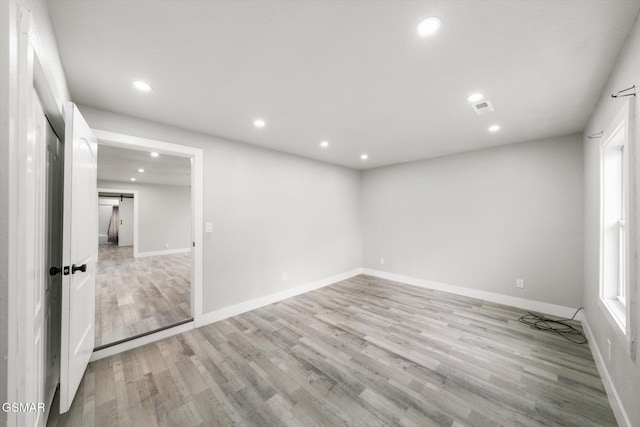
(208, 227)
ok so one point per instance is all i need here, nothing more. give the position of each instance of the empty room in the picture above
(319, 213)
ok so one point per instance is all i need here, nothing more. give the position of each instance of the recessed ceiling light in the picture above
(364, 156)
(133, 179)
(324, 144)
(494, 128)
(429, 26)
(259, 123)
(475, 97)
(141, 170)
(142, 86)
(154, 154)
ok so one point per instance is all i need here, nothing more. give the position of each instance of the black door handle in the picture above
(55, 270)
(82, 268)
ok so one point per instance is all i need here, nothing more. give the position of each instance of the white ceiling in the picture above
(121, 164)
(352, 72)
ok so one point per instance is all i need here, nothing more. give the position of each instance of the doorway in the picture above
(29, 377)
(144, 267)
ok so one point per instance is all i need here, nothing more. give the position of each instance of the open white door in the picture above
(80, 249)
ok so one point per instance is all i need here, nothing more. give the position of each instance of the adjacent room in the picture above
(319, 213)
(143, 281)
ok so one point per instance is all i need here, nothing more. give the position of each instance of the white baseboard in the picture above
(538, 306)
(165, 252)
(139, 342)
(243, 307)
(612, 393)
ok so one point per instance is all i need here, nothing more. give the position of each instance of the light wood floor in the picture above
(138, 295)
(364, 352)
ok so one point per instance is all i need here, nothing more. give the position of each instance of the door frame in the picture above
(31, 74)
(135, 209)
(23, 271)
(196, 155)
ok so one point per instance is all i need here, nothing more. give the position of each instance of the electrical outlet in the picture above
(520, 283)
(166, 245)
(381, 261)
(608, 350)
(285, 276)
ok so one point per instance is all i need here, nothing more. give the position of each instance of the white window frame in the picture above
(617, 293)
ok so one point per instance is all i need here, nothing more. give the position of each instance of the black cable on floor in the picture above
(559, 326)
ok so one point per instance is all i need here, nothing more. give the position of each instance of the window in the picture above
(615, 274)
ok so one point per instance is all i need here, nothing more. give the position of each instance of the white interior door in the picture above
(80, 250)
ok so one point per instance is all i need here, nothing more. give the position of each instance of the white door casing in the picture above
(36, 280)
(53, 258)
(27, 266)
(114, 139)
(80, 246)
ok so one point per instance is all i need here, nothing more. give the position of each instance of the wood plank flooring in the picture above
(138, 295)
(363, 352)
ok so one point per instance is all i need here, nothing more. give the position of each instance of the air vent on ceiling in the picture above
(483, 107)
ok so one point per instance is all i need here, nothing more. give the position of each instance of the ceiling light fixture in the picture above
(133, 179)
(429, 26)
(364, 156)
(142, 86)
(324, 144)
(475, 97)
(141, 170)
(154, 154)
(494, 128)
(259, 123)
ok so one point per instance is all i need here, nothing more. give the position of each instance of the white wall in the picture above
(482, 219)
(271, 212)
(623, 372)
(164, 215)
(47, 51)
